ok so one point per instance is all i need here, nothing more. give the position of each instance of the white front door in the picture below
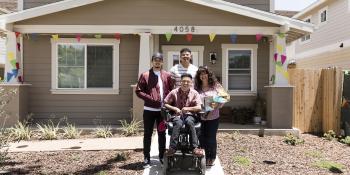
(172, 55)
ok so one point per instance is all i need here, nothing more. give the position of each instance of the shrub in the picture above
(331, 166)
(71, 132)
(103, 132)
(20, 131)
(244, 161)
(290, 139)
(3, 143)
(346, 140)
(129, 129)
(329, 135)
(122, 156)
(49, 131)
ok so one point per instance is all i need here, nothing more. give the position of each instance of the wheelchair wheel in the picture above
(202, 164)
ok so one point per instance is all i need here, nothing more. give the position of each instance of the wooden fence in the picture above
(317, 99)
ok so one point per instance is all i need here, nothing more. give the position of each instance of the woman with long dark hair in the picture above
(208, 87)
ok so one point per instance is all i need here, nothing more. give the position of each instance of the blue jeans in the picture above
(208, 141)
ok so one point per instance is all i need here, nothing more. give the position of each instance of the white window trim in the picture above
(54, 66)
(306, 41)
(254, 58)
(319, 16)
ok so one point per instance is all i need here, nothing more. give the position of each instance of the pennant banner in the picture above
(168, 36)
(212, 37)
(283, 59)
(117, 36)
(282, 71)
(279, 48)
(275, 57)
(281, 35)
(189, 37)
(78, 37)
(18, 47)
(55, 37)
(17, 34)
(98, 36)
(258, 37)
(233, 38)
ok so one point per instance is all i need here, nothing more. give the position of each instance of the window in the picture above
(323, 16)
(306, 37)
(87, 67)
(240, 68)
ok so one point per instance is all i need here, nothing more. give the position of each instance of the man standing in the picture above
(185, 66)
(152, 87)
(184, 102)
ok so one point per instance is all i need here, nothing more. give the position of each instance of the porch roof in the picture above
(294, 28)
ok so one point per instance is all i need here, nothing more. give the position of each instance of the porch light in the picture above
(212, 57)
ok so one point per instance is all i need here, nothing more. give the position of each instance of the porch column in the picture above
(280, 94)
(13, 58)
(145, 52)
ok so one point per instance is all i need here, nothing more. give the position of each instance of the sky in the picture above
(292, 5)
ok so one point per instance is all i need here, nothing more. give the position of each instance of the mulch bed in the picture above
(265, 155)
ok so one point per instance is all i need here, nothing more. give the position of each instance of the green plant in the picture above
(346, 140)
(103, 132)
(243, 161)
(331, 166)
(122, 156)
(71, 132)
(20, 131)
(314, 154)
(101, 173)
(129, 129)
(290, 139)
(49, 131)
(329, 135)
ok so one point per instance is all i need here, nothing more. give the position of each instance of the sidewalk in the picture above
(94, 144)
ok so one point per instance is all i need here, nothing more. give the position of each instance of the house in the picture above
(6, 6)
(329, 44)
(79, 58)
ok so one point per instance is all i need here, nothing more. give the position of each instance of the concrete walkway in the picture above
(123, 143)
(156, 166)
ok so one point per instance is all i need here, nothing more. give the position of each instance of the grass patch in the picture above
(130, 129)
(331, 166)
(314, 154)
(103, 132)
(102, 173)
(290, 139)
(346, 140)
(243, 161)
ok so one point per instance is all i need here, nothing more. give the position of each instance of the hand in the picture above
(185, 110)
(177, 111)
(214, 105)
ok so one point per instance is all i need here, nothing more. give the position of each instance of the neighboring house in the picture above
(6, 6)
(329, 44)
(90, 78)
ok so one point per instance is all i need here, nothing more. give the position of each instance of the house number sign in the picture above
(184, 29)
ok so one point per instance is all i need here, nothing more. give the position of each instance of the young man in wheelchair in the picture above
(184, 102)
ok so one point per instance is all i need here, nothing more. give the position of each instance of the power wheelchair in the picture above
(183, 159)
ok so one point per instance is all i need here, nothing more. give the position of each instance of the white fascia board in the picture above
(46, 9)
(132, 29)
(254, 13)
(309, 8)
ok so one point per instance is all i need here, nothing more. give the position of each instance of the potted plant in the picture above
(259, 109)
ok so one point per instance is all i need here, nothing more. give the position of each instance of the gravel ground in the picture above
(258, 155)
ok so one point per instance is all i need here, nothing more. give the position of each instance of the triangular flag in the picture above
(10, 56)
(212, 37)
(13, 63)
(275, 57)
(258, 37)
(189, 37)
(15, 72)
(281, 35)
(19, 47)
(17, 34)
(279, 48)
(78, 37)
(17, 65)
(117, 36)
(233, 38)
(168, 36)
(98, 36)
(55, 37)
(283, 58)
(9, 76)
(20, 79)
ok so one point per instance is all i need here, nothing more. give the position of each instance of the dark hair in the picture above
(185, 50)
(157, 55)
(186, 75)
(212, 81)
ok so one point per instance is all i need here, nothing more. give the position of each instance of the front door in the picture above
(172, 55)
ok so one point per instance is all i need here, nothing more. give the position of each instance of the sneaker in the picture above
(170, 152)
(161, 161)
(147, 162)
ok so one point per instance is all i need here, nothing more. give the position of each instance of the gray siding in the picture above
(336, 29)
(83, 109)
(142, 12)
(215, 46)
(257, 4)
